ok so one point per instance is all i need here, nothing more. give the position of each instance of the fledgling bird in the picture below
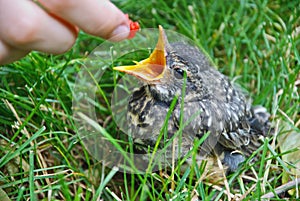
(211, 103)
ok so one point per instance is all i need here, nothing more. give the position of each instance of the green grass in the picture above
(256, 43)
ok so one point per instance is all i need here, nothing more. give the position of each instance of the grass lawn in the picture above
(255, 43)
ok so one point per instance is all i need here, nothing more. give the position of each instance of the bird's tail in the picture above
(260, 120)
(260, 126)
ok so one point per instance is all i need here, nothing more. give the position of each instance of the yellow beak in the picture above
(152, 68)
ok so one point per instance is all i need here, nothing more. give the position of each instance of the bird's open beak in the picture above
(152, 68)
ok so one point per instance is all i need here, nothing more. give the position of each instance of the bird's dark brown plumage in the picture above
(211, 104)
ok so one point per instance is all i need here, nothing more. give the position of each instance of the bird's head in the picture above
(167, 68)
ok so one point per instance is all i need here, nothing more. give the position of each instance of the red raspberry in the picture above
(134, 27)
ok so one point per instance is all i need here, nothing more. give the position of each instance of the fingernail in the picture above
(120, 33)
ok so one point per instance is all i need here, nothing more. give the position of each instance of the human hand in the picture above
(53, 26)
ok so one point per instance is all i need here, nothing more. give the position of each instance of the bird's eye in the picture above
(179, 73)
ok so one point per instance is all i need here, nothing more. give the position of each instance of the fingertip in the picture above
(113, 23)
(121, 32)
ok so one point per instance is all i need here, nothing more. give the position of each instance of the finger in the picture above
(96, 17)
(24, 25)
(9, 54)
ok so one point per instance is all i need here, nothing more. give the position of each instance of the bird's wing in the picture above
(225, 125)
(197, 119)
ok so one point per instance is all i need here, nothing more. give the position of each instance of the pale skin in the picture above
(52, 26)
